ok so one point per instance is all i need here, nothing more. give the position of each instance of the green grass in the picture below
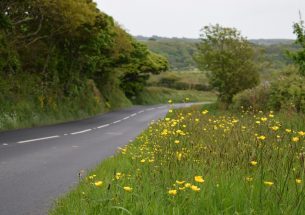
(160, 95)
(182, 80)
(221, 147)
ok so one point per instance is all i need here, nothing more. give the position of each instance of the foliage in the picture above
(299, 56)
(229, 59)
(49, 50)
(256, 98)
(181, 51)
(195, 162)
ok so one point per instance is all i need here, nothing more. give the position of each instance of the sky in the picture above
(256, 19)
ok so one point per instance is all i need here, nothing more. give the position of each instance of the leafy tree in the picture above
(229, 60)
(299, 56)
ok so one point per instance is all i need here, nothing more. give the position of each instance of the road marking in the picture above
(38, 139)
(142, 111)
(103, 126)
(81, 132)
(5, 144)
(126, 118)
(66, 134)
(132, 115)
(149, 109)
(116, 122)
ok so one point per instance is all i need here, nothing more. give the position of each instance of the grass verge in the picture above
(201, 162)
(160, 95)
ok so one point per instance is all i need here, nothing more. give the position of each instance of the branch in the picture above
(36, 32)
(23, 20)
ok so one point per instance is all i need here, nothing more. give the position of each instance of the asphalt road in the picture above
(38, 165)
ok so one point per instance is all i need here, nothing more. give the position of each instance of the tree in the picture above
(228, 59)
(299, 56)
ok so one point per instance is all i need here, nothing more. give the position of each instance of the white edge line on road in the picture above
(142, 111)
(81, 132)
(126, 118)
(5, 144)
(133, 114)
(103, 126)
(38, 139)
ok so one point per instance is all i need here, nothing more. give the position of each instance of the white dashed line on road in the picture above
(38, 139)
(116, 122)
(81, 132)
(103, 126)
(87, 130)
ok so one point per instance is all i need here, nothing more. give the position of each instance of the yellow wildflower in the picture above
(262, 137)
(127, 189)
(204, 112)
(295, 139)
(177, 141)
(264, 119)
(181, 188)
(268, 183)
(195, 188)
(275, 128)
(298, 181)
(253, 163)
(98, 183)
(180, 182)
(170, 101)
(172, 192)
(187, 185)
(302, 133)
(249, 179)
(288, 130)
(199, 179)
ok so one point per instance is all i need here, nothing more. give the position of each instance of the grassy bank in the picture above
(32, 108)
(159, 95)
(201, 162)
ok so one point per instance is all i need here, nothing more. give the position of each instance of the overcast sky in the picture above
(184, 18)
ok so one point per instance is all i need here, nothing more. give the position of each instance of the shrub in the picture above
(288, 93)
(256, 98)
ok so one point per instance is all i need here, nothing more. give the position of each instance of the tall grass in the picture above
(201, 162)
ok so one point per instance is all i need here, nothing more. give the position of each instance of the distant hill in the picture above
(180, 51)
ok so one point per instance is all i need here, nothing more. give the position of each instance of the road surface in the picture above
(38, 165)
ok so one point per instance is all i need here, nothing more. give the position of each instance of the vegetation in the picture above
(229, 59)
(286, 92)
(271, 54)
(299, 57)
(66, 59)
(160, 95)
(201, 162)
(179, 52)
(181, 80)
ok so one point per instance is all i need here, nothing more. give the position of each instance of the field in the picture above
(201, 161)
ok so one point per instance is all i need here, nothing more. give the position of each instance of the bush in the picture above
(288, 93)
(256, 98)
(285, 93)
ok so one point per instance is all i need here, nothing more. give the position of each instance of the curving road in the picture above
(39, 164)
